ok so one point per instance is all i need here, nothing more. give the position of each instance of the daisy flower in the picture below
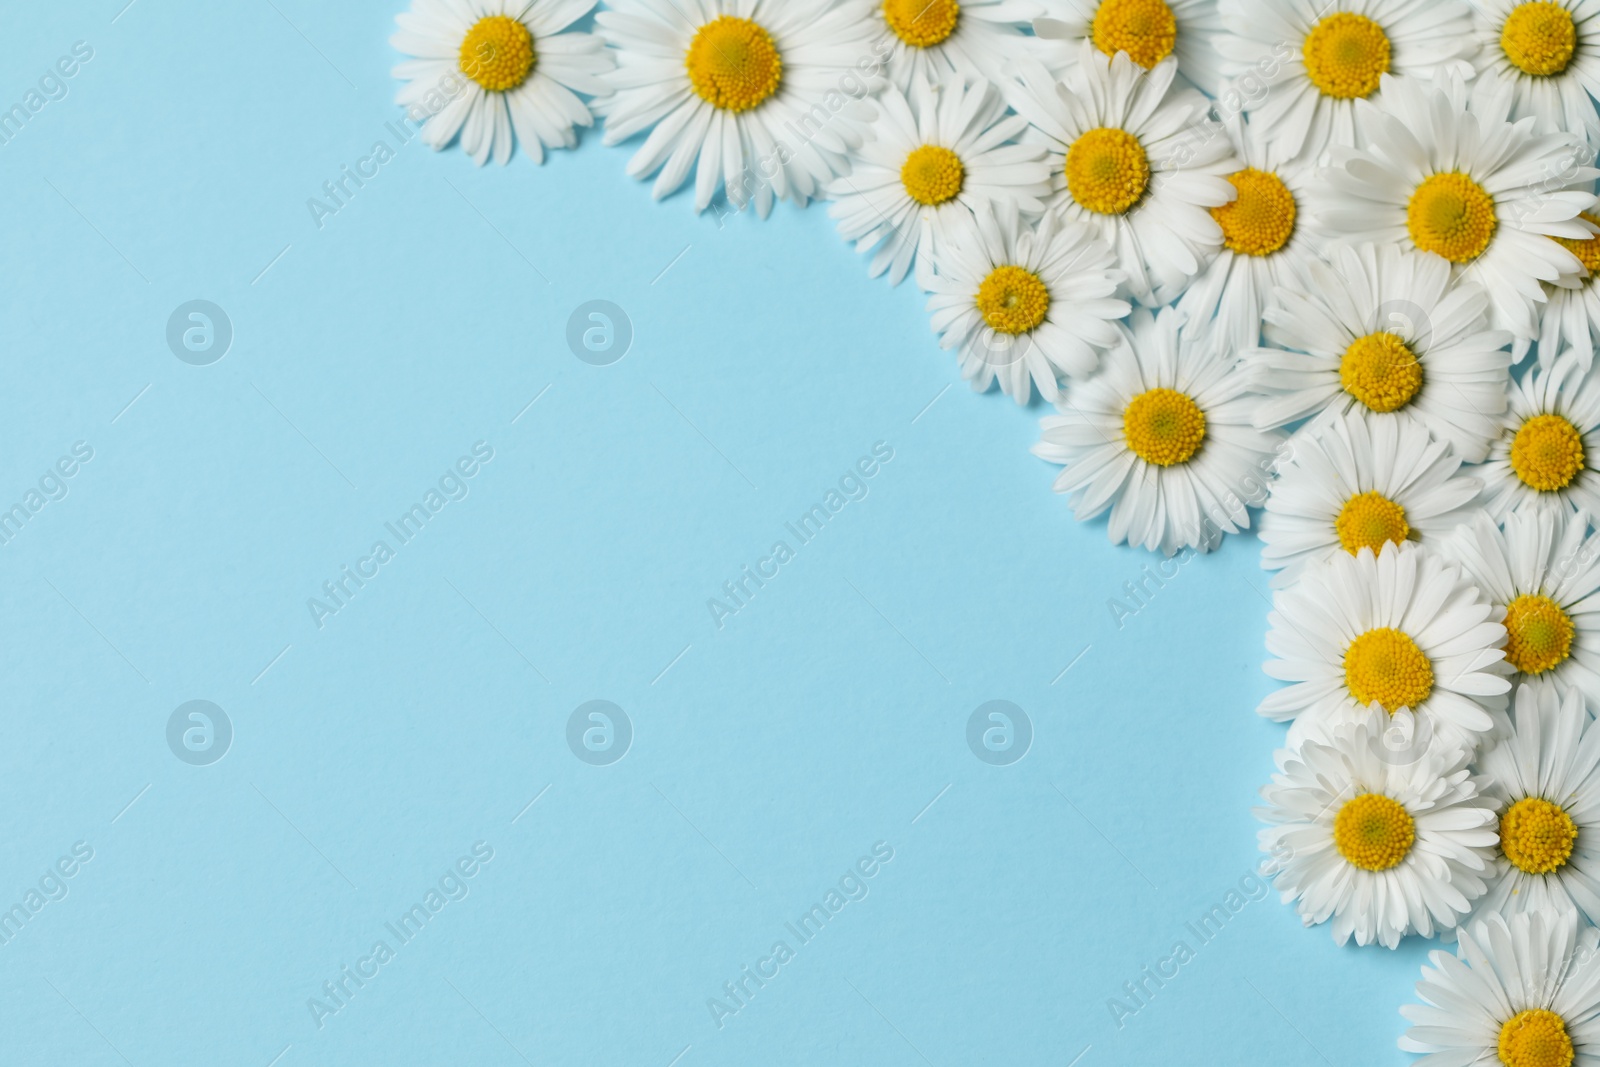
(1545, 779)
(930, 39)
(1543, 570)
(1314, 61)
(1148, 30)
(764, 94)
(1571, 319)
(1162, 437)
(1546, 54)
(1541, 459)
(1354, 483)
(1401, 629)
(1023, 304)
(1263, 245)
(1466, 185)
(517, 69)
(1137, 160)
(1380, 846)
(928, 159)
(1385, 333)
(1524, 992)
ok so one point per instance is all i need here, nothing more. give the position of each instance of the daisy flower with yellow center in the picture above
(1354, 482)
(1399, 629)
(1265, 244)
(1543, 569)
(1438, 175)
(1385, 333)
(1136, 159)
(928, 159)
(1162, 438)
(1546, 53)
(1302, 68)
(1544, 777)
(1375, 845)
(1571, 319)
(1524, 991)
(1148, 30)
(497, 72)
(1545, 455)
(1022, 304)
(760, 98)
(931, 39)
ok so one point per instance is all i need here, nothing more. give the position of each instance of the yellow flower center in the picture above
(1373, 832)
(932, 175)
(1537, 836)
(497, 53)
(1260, 220)
(1381, 372)
(733, 63)
(1539, 38)
(1587, 249)
(1013, 300)
(1345, 55)
(922, 23)
(1450, 215)
(1535, 1038)
(1163, 427)
(1387, 666)
(1145, 29)
(1371, 520)
(1538, 633)
(1107, 170)
(1547, 453)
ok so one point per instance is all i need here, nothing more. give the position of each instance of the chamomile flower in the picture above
(1384, 332)
(759, 97)
(1464, 184)
(1546, 53)
(505, 67)
(930, 39)
(1352, 483)
(928, 159)
(1264, 245)
(1544, 777)
(1543, 569)
(1312, 62)
(1023, 304)
(1544, 457)
(1571, 319)
(1136, 159)
(1162, 437)
(1402, 629)
(1380, 846)
(1524, 992)
(1148, 30)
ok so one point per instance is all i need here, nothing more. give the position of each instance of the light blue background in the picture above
(425, 716)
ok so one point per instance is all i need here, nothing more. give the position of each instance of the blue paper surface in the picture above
(424, 729)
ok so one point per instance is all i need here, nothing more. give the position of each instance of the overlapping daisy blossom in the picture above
(1461, 181)
(1352, 482)
(1345, 227)
(1381, 847)
(1543, 569)
(1544, 781)
(1162, 438)
(1400, 629)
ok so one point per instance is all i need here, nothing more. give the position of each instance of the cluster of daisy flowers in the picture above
(1333, 262)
